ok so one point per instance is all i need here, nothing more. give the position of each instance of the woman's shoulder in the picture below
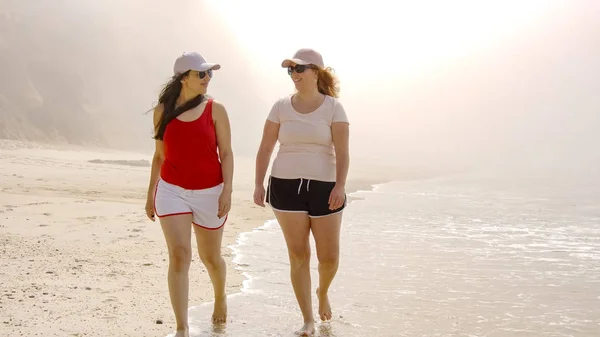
(334, 101)
(336, 109)
(283, 104)
(218, 109)
(287, 99)
(331, 105)
(214, 102)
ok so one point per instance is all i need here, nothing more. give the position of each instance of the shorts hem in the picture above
(172, 214)
(286, 211)
(211, 228)
(322, 216)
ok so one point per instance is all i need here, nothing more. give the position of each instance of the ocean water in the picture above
(454, 256)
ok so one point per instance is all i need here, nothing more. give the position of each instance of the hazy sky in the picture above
(446, 82)
(424, 83)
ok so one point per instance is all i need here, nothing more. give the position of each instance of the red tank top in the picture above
(191, 158)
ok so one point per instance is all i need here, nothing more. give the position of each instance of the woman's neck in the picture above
(309, 95)
(185, 96)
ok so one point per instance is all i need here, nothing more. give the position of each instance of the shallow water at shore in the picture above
(442, 257)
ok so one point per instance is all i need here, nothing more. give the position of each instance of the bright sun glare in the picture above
(409, 35)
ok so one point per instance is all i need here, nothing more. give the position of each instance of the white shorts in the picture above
(203, 204)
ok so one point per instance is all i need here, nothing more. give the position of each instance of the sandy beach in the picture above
(80, 258)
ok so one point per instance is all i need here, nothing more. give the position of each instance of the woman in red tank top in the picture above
(190, 181)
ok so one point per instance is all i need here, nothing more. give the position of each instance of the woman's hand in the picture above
(259, 195)
(224, 203)
(150, 207)
(337, 197)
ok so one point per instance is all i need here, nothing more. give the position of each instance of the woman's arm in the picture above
(159, 153)
(263, 157)
(340, 133)
(157, 161)
(223, 130)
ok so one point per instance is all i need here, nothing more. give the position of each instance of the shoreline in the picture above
(76, 242)
(266, 223)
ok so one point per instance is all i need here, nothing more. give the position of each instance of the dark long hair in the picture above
(168, 98)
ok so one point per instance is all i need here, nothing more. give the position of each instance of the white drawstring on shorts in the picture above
(307, 185)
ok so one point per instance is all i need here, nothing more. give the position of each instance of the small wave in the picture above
(141, 162)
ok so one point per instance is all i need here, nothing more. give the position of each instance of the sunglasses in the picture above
(202, 74)
(299, 68)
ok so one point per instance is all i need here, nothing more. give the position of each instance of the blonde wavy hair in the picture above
(327, 82)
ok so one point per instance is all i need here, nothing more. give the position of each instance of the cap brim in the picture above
(208, 66)
(289, 62)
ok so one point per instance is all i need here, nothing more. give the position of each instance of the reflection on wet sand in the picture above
(449, 258)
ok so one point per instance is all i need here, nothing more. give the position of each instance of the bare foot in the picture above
(182, 333)
(324, 306)
(220, 310)
(308, 329)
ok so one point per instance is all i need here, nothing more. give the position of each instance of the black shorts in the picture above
(301, 195)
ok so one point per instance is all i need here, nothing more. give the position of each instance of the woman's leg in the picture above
(177, 231)
(209, 250)
(326, 231)
(296, 230)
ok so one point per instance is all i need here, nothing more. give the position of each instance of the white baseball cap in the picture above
(192, 61)
(304, 56)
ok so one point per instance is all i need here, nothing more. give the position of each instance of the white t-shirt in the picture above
(305, 141)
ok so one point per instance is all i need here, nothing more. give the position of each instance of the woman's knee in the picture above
(299, 256)
(180, 257)
(330, 258)
(211, 260)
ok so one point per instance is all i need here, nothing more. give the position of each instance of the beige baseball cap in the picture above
(192, 61)
(304, 56)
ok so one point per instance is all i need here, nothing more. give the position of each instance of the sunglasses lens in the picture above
(297, 68)
(203, 74)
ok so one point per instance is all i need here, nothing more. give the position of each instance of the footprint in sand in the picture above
(86, 219)
(92, 192)
(110, 299)
(38, 203)
(89, 219)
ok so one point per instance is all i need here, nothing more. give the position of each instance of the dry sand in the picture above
(79, 256)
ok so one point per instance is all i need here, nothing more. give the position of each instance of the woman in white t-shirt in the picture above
(306, 187)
